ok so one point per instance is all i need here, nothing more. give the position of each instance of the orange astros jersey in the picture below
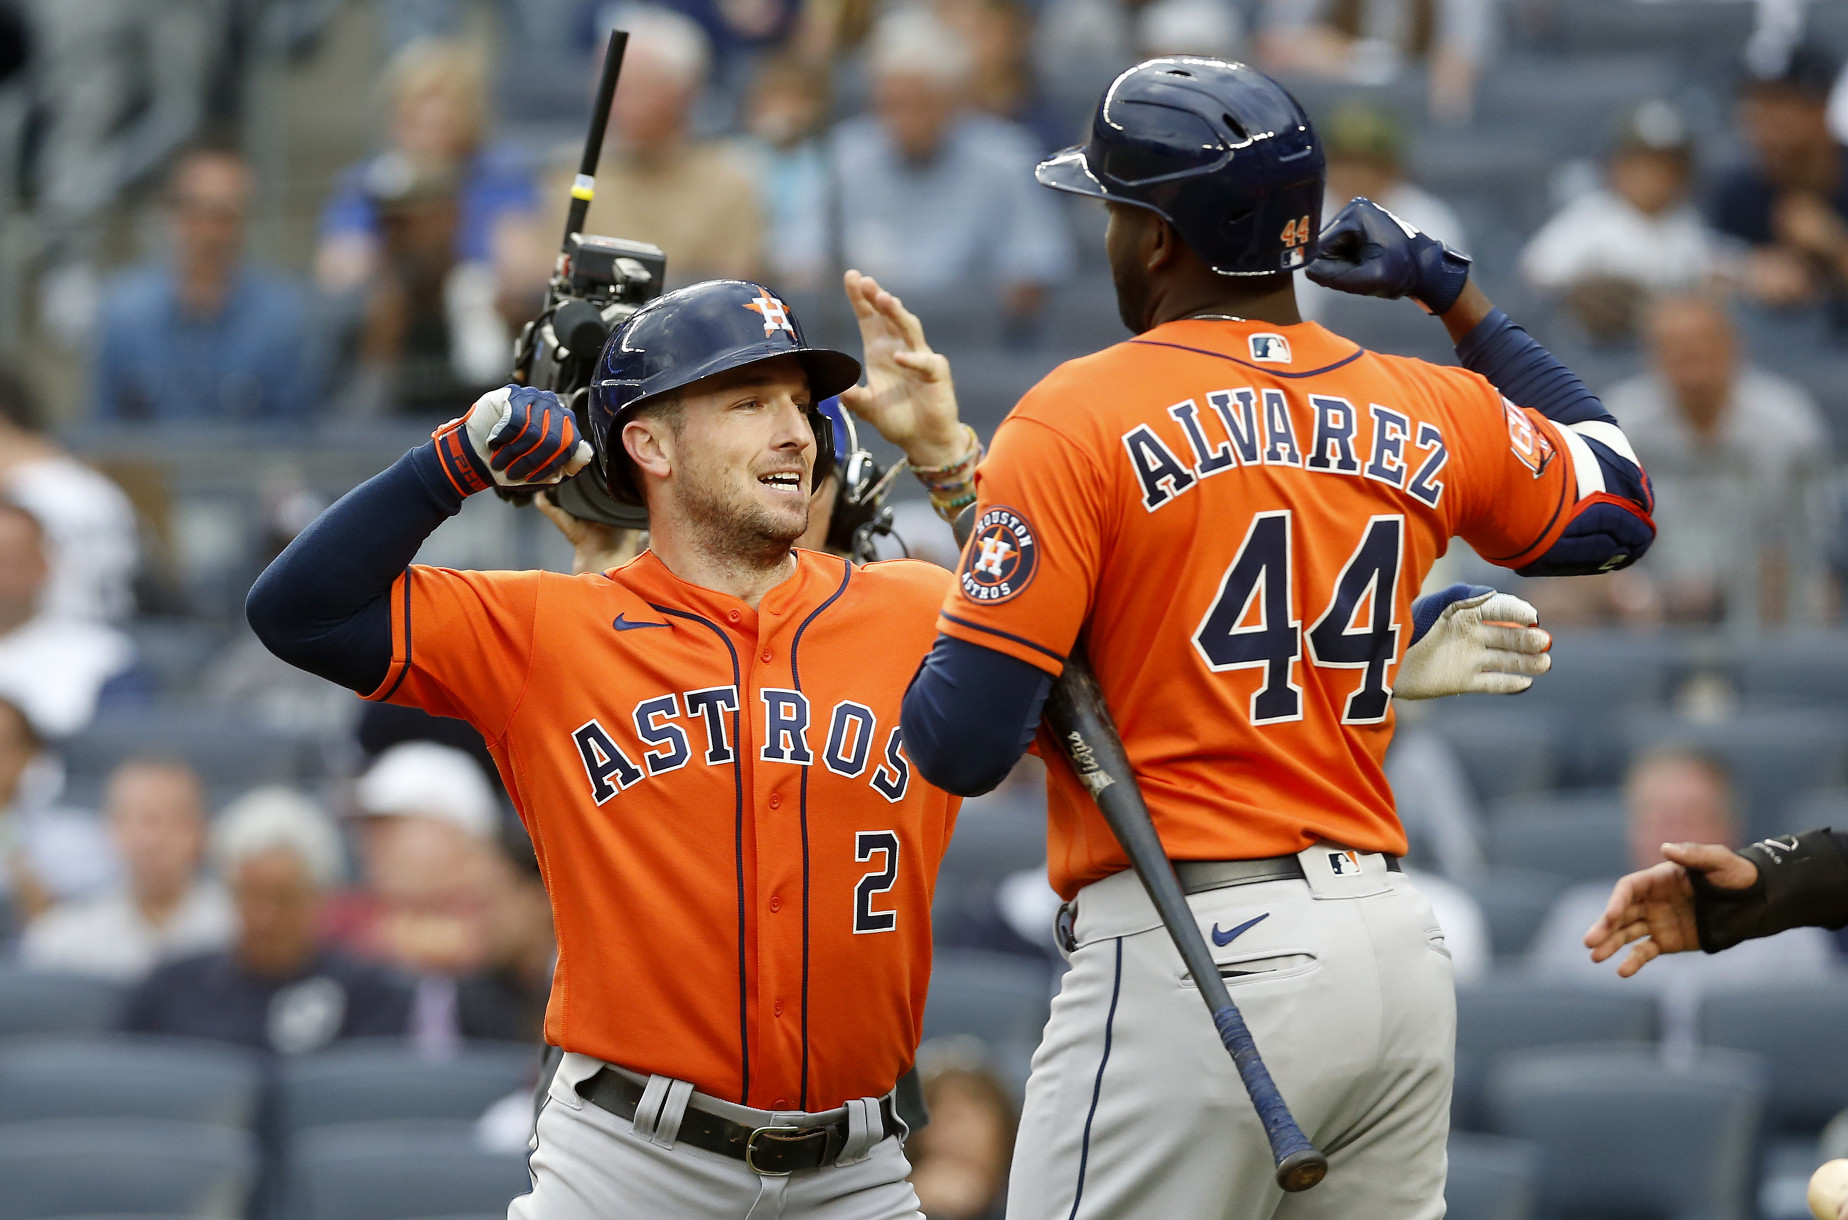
(739, 855)
(1236, 516)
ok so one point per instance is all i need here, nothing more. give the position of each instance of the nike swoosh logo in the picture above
(1226, 938)
(623, 624)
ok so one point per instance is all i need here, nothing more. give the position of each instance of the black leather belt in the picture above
(773, 1151)
(1198, 876)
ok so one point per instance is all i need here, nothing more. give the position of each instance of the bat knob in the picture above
(1301, 1170)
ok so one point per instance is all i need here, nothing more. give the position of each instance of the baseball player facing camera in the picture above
(704, 746)
(1231, 513)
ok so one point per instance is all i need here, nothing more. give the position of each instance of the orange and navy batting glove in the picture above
(515, 436)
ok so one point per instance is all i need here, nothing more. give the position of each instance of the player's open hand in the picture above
(909, 397)
(1653, 910)
(1478, 642)
(524, 436)
(1368, 251)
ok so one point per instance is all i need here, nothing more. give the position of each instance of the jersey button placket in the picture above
(733, 616)
(776, 800)
(776, 904)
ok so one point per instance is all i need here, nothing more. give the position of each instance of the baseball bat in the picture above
(1078, 716)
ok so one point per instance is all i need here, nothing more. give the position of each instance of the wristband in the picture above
(1802, 882)
(464, 469)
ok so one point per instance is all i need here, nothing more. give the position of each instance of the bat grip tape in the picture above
(1286, 1138)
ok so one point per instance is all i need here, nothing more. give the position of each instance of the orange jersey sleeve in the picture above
(461, 644)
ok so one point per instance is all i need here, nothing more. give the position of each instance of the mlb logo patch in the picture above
(1270, 349)
(1343, 863)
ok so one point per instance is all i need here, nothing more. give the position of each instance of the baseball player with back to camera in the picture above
(704, 747)
(1231, 512)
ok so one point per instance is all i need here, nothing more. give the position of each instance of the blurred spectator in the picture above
(164, 908)
(935, 199)
(436, 127)
(1373, 41)
(1790, 203)
(1737, 456)
(960, 1161)
(1078, 46)
(785, 115)
(54, 666)
(1608, 250)
(90, 526)
(999, 35)
(1366, 157)
(202, 334)
(47, 854)
(276, 988)
(442, 901)
(1674, 795)
(695, 199)
(429, 333)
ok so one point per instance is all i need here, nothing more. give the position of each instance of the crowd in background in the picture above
(1681, 239)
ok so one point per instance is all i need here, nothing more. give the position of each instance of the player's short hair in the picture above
(672, 37)
(277, 818)
(19, 406)
(914, 42)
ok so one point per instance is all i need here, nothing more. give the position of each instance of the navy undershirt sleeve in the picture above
(970, 714)
(323, 604)
(1527, 374)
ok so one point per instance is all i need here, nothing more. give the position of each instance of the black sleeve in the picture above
(322, 605)
(970, 714)
(1802, 882)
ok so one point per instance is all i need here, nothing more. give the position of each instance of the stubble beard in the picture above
(730, 525)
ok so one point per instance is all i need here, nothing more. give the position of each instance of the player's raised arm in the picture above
(1369, 251)
(322, 605)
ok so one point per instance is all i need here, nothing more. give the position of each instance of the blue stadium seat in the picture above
(1623, 1134)
(1505, 749)
(142, 1167)
(1512, 1012)
(382, 1080)
(129, 1076)
(46, 1002)
(1490, 1178)
(400, 1170)
(1773, 756)
(1818, 807)
(1570, 106)
(1395, 328)
(1577, 835)
(1709, 32)
(226, 747)
(996, 997)
(1804, 669)
(1798, 1030)
(1513, 903)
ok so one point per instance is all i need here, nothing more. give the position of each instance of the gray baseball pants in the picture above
(588, 1164)
(1134, 1110)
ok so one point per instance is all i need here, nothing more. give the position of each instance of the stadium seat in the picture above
(1511, 1012)
(1806, 669)
(382, 1080)
(1513, 904)
(1797, 1028)
(1576, 835)
(1490, 1178)
(1623, 1134)
(996, 997)
(399, 1171)
(1504, 751)
(129, 1076)
(1816, 808)
(1703, 31)
(1580, 99)
(1395, 328)
(1773, 756)
(141, 1167)
(46, 1002)
(228, 748)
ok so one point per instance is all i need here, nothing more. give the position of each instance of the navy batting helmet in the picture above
(1217, 149)
(691, 333)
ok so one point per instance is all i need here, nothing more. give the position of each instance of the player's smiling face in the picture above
(737, 457)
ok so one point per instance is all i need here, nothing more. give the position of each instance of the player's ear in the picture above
(650, 445)
(1161, 244)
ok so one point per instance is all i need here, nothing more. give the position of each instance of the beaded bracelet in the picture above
(952, 488)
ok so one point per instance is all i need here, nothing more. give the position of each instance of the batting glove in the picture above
(1462, 643)
(517, 436)
(1368, 251)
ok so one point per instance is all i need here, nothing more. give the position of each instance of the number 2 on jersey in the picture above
(1260, 576)
(866, 845)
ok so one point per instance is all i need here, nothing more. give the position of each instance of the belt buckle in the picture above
(750, 1148)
